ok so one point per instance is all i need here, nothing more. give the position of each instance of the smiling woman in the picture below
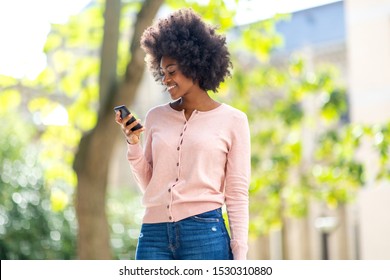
(196, 155)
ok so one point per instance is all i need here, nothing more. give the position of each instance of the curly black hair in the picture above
(201, 53)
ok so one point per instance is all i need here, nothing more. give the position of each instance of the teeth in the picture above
(171, 87)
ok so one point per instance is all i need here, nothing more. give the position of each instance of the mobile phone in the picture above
(124, 113)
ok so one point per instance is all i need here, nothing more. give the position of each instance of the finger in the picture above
(133, 124)
(127, 131)
(127, 118)
(123, 122)
(139, 131)
(118, 118)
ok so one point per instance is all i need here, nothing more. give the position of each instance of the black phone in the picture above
(124, 113)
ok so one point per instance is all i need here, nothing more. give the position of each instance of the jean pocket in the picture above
(213, 216)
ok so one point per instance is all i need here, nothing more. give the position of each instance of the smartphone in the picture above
(124, 113)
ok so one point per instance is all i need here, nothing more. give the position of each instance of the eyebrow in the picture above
(169, 65)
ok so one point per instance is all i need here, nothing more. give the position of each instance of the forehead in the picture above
(167, 61)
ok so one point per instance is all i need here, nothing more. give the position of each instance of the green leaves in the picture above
(260, 38)
(223, 19)
(9, 100)
(334, 105)
(28, 227)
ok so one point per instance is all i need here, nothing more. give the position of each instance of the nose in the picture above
(165, 79)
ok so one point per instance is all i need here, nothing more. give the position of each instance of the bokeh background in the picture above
(312, 76)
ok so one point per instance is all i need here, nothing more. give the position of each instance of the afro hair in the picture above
(200, 52)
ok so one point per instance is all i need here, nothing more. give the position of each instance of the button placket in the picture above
(179, 149)
(169, 206)
(170, 190)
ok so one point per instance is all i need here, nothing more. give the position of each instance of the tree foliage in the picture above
(34, 222)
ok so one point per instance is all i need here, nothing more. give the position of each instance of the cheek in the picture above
(183, 82)
(187, 83)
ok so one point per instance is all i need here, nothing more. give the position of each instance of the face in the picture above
(176, 83)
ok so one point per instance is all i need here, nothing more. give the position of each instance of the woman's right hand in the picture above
(132, 137)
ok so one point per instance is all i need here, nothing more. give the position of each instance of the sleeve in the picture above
(238, 171)
(141, 160)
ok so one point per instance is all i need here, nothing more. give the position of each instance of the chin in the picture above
(174, 97)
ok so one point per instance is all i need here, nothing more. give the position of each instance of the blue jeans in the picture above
(199, 237)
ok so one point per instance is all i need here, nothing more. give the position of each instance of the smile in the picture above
(170, 87)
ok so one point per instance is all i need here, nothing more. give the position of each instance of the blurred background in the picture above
(312, 76)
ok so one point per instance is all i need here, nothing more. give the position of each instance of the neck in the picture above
(197, 101)
(200, 104)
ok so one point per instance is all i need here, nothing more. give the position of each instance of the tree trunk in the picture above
(95, 149)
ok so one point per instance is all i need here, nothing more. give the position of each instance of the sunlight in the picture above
(58, 116)
(24, 26)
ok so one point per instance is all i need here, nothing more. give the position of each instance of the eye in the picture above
(171, 72)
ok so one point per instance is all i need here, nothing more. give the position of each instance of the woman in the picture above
(196, 154)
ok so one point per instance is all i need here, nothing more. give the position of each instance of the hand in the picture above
(132, 137)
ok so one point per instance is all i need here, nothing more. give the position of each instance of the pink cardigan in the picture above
(188, 167)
